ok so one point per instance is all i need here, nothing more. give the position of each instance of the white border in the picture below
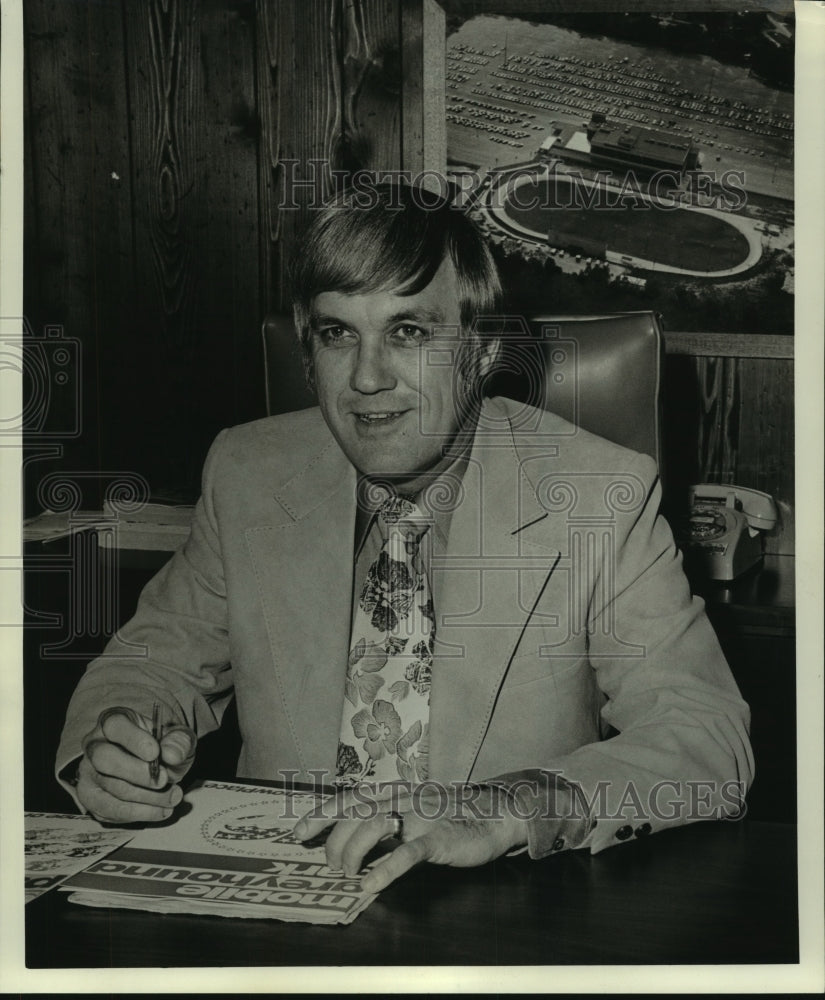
(808, 976)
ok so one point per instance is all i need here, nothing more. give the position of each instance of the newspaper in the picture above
(57, 845)
(231, 853)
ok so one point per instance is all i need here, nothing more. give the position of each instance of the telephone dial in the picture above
(725, 528)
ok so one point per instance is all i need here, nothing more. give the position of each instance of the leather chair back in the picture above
(285, 386)
(603, 373)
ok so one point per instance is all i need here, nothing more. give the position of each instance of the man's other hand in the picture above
(114, 780)
(463, 827)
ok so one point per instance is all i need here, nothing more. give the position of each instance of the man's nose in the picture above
(372, 372)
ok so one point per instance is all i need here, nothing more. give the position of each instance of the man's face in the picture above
(385, 374)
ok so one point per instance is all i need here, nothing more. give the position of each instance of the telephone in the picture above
(725, 528)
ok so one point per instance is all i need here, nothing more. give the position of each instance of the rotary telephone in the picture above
(726, 527)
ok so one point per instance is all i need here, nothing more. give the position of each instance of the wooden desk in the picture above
(708, 893)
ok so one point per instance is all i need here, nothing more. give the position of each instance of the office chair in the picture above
(601, 372)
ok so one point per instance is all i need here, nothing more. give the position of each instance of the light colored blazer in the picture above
(563, 617)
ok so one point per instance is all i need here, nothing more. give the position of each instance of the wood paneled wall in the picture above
(157, 133)
(729, 418)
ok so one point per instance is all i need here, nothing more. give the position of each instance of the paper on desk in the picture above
(48, 525)
(153, 527)
(230, 853)
(58, 844)
(152, 514)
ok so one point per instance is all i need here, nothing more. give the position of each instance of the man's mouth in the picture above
(379, 417)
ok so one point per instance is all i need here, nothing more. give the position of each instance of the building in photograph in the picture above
(617, 145)
(639, 147)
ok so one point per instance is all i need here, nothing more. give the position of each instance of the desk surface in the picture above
(708, 893)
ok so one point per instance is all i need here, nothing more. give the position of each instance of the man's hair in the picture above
(394, 238)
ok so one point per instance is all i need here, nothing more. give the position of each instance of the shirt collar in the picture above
(438, 498)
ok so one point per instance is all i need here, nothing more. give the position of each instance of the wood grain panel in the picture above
(299, 88)
(78, 214)
(270, 27)
(731, 420)
(166, 89)
(336, 94)
(166, 94)
(766, 440)
(719, 409)
(113, 285)
(372, 85)
(226, 370)
(194, 142)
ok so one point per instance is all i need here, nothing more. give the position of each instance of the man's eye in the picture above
(333, 336)
(410, 334)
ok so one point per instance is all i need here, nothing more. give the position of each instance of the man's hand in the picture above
(114, 781)
(462, 826)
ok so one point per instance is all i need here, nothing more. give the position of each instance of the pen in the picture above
(154, 765)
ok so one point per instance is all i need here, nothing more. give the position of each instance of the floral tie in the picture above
(384, 730)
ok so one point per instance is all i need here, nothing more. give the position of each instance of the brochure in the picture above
(230, 851)
(57, 845)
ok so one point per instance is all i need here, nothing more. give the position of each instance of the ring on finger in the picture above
(397, 821)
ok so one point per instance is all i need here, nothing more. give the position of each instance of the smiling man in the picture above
(395, 591)
(391, 415)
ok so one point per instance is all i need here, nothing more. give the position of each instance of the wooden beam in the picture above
(424, 93)
(523, 8)
(729, 345)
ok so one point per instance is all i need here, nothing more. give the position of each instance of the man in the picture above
(402, 586)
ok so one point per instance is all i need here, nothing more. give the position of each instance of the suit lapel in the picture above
(303, 563)
(485, 587)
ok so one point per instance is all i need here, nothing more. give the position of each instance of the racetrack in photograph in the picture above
(631, 224)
